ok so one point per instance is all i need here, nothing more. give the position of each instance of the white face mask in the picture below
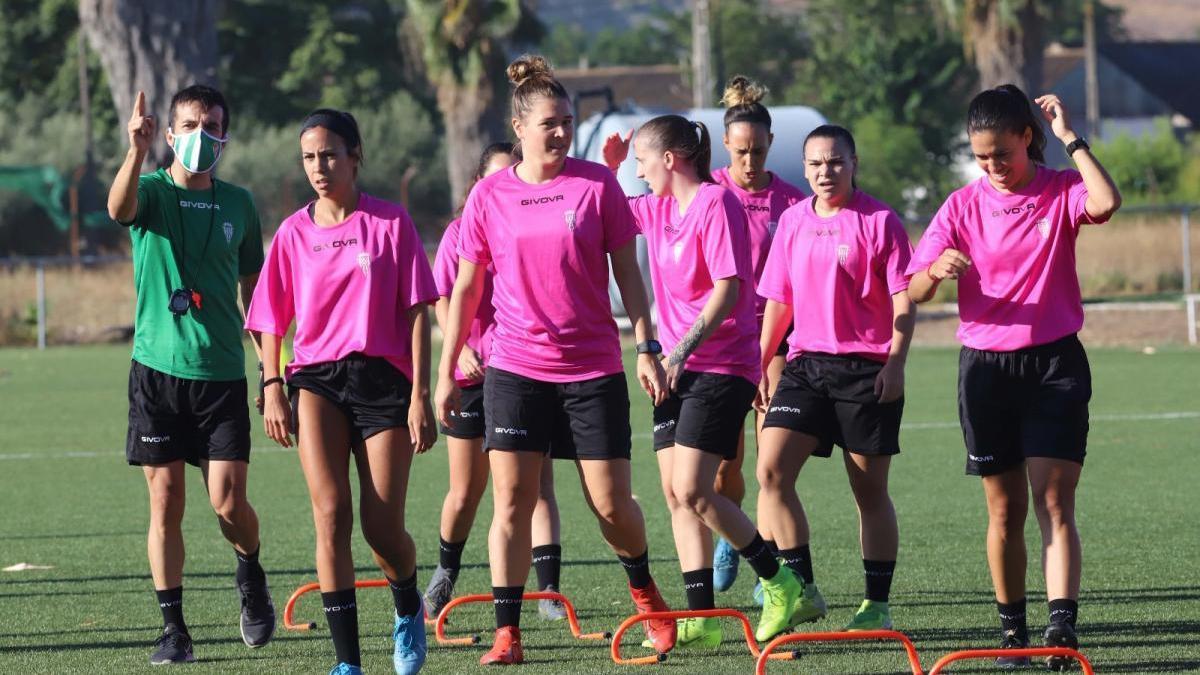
(197, 151)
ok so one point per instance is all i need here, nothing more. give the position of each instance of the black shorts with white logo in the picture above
(468, 422)
(369, 391)
(833, 398)
(171, 418)
(1030, 402)
(577, 420)
(707, 411)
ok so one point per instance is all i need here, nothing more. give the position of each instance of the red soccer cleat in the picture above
(506, 650)
(660, 632)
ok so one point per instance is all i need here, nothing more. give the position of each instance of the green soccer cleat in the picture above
(871, 615)
(699, 632)
(704, 632)
(811, 605)
(781, 595)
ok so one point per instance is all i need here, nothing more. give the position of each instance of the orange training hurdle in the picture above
(914, 661)
(572, 618)
(699, 613)
(996, 653)
(288, 610)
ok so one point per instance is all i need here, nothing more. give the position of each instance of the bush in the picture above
(397, 135)
(1148, 168)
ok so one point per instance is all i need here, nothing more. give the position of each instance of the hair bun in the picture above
(741, 90)
(527, 67)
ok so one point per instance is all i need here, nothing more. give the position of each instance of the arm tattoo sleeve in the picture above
(688, 344)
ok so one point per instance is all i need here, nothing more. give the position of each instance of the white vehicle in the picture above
(790, 124)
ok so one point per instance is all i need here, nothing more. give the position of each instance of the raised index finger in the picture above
(139, 105)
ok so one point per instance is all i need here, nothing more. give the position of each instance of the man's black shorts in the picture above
(369, 391)
(1031, 402)
(171, 418)
(707, 411)
(468, 422)
(578, 420)
(833, 398)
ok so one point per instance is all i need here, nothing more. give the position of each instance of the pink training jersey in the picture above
(763, 209)
(1021, 289)
(839, 274)
(349, 287)
(445, 271)
(549, 245)
(688, 253)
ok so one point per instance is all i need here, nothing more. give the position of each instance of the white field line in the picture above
(907, 426)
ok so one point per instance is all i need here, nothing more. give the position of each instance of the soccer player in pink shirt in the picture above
(765, 196)
(836, 274)
(464, 438)
(1024, 382)
(700, 265)
(350, 270)
(550, 225)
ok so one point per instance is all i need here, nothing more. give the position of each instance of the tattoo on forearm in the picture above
(688, 344)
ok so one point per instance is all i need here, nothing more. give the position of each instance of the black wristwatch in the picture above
(649, 347)
(1079, 142)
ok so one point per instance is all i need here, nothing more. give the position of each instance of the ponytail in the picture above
(683, 138)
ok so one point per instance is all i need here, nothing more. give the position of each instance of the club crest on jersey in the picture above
(569, 218)
(364, 262)
(843, 254)
(1043, 227)
(228, 227)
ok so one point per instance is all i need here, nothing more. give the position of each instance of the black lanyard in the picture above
(181, 258)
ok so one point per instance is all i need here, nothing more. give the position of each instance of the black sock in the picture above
(1012, 618)
(773, 546)
(637, 569)
(547, 562)
(507, 601)
(248, 568)
(760, 558)
(1064, 610)
(800, 560)
(878, 574)
(170, 602)
(698, 584)
(405, 596)
(341, 613)
(450, 556)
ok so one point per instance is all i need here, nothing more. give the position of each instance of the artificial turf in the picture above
(69, 500)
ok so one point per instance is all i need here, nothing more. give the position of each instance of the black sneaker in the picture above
(173, 646)
(1060, 634)
(1012, 639)
(258, 613)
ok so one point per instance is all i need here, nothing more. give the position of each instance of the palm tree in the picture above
(1004, 38)
(463, 47)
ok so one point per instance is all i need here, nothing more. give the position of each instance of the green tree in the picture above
(464, 53)
(877, 66)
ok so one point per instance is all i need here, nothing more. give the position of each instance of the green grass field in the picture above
(69, 501)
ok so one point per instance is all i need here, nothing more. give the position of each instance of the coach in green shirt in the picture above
(195, 240)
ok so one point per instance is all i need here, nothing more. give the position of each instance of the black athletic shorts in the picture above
(707, 411)
(171, 418)
(577, 420)
(1031, 402)
(833, 398)
(468, 422)
(370, 392)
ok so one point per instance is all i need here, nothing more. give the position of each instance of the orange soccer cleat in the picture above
(660, 632)
(506, 650)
